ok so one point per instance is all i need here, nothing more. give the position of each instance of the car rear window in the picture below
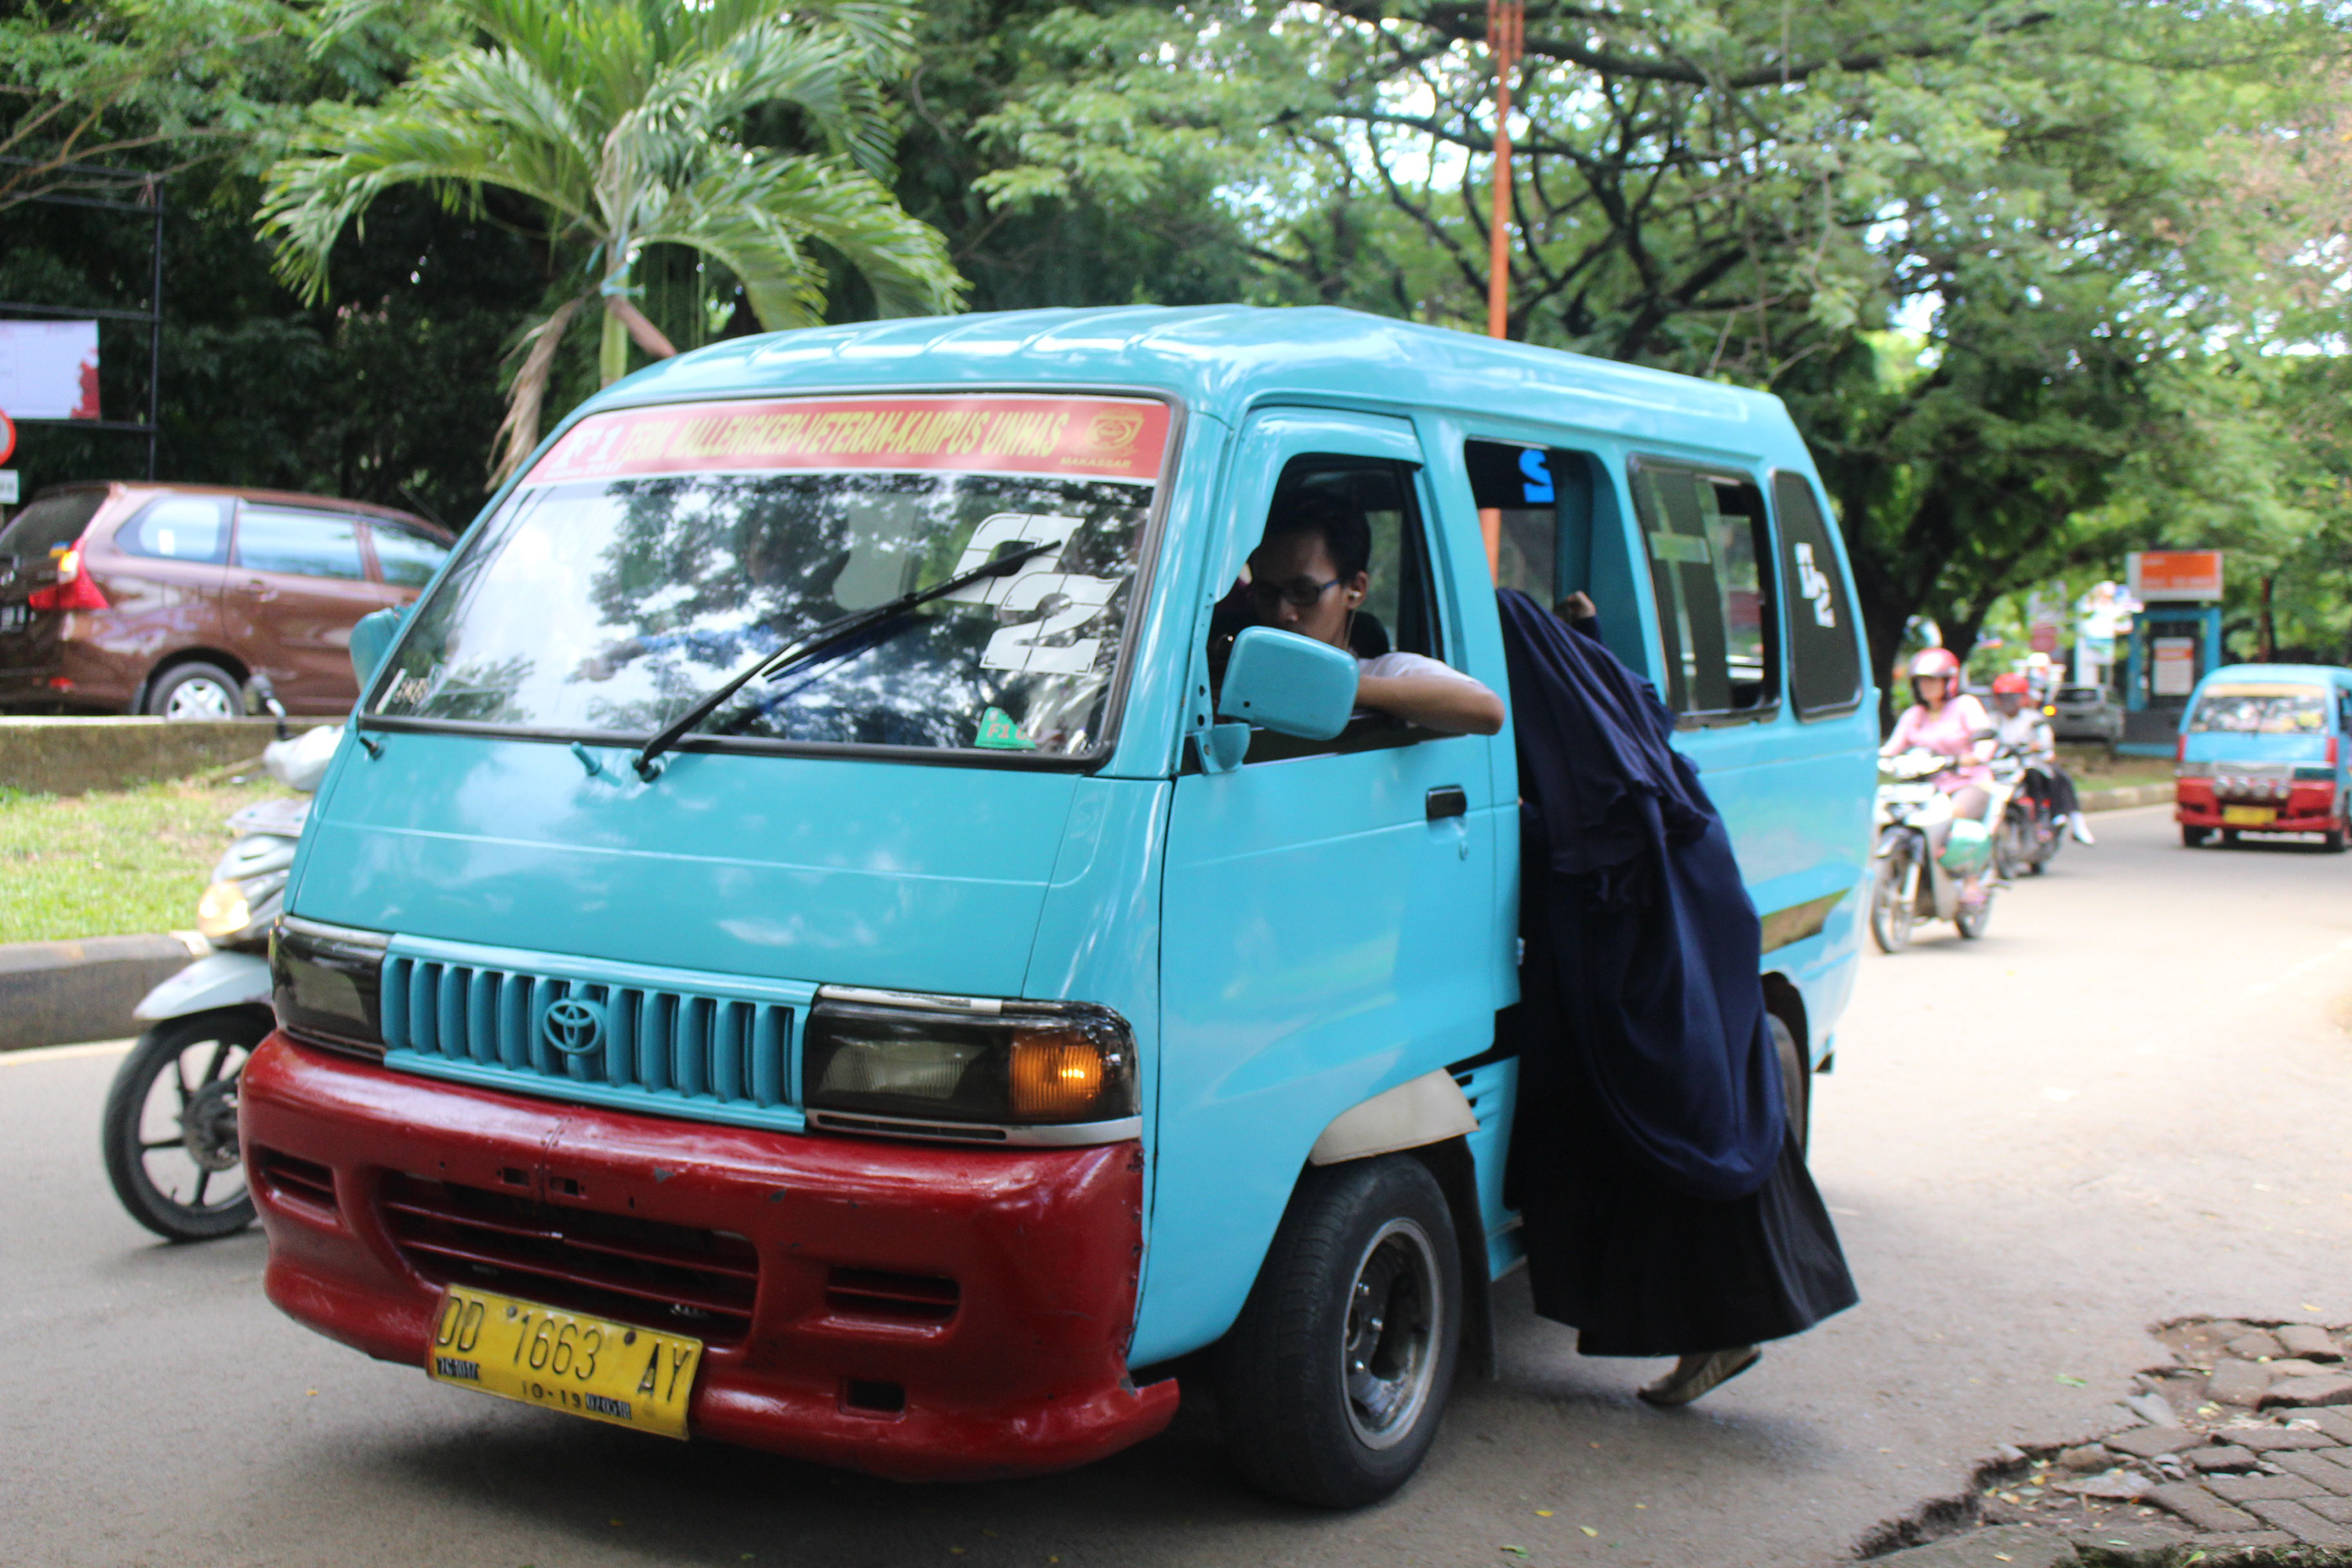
(50, 523)
(2082, 694)
(178, 527)
(298, 543)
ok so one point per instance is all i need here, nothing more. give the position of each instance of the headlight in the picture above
(324, 982)
(1025, 1072)
(221, 911)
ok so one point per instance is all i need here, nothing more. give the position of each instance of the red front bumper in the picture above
(994, 1288)
(2308, 808)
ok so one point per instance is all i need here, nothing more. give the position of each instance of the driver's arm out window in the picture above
(1398, 614)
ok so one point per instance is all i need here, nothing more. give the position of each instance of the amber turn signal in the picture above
(1058, 1075)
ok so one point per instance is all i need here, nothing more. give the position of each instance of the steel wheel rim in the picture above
(1388, 1340)
(188, 1150)
(200, 700)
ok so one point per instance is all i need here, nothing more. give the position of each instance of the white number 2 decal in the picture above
(1813, 584)
(1068, 601)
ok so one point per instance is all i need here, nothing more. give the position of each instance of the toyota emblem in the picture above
(573, 1026)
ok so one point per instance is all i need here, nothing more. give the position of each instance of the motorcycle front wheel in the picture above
(1973, 921)
(1891, 912)
(170, 1134)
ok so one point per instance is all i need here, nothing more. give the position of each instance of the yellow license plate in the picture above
(2249, 815)
(564, 1360)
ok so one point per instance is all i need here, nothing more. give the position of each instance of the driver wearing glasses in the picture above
(1310, 575)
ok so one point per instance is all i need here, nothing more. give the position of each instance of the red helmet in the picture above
(2002, 684)
(1935, 661)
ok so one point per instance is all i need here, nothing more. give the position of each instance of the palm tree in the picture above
(624, 119)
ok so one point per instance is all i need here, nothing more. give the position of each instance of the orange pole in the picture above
(1507, 21)
(1507, 25)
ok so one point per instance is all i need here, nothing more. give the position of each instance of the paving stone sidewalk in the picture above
(2239, 1452)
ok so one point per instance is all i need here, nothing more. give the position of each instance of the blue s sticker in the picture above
(1539, 488)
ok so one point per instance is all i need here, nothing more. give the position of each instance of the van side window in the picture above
(178, 527)
(1518, 487)
(1710, 548)
(407, 558)
(1398, 613)
(1824, 656)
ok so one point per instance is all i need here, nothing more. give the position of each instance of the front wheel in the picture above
(2332, 840)
(1332, 1386)
(1973, 919)
(170, 1134)
(2195, 838)
(1892, 914)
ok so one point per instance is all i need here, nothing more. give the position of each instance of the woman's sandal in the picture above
(1694, 1375)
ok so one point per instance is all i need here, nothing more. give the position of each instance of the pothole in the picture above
(2238, 1452)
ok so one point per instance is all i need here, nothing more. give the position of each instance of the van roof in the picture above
(2327, 674)
(1226, 359)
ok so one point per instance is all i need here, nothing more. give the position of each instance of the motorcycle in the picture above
(1910, 883)
(169, 1133)
(2030, 834)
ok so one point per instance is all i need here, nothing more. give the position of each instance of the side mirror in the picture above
(372, 637)
(1289, 684)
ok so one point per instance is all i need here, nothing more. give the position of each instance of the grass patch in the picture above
(114, 864)
(2091, 767)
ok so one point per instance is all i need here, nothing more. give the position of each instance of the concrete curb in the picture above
(69, 757)
(2127, 797)
(62, 992)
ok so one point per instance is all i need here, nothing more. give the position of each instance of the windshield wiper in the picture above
(825, 636)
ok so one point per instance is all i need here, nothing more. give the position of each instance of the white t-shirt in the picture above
(2026, 729)
(1395, 663)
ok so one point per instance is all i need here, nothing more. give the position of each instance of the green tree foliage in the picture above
(623, 120)
(2050, 194)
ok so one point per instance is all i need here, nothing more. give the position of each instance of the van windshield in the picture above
(654, 553)
(2268, 708)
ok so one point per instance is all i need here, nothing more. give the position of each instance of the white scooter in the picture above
(170, 1133)
(1911, 883)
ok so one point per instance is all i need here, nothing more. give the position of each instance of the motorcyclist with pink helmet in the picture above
(1943, 718)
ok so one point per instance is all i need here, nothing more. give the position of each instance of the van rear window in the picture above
(654, 553)
(2261, 708)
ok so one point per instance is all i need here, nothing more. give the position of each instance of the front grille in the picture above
(894, 1298)
(717, 1050)
(698, 1282)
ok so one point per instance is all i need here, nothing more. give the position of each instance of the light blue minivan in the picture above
(916, 1056)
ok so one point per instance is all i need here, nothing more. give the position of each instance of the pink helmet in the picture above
(1935, 661)
(2003, 685)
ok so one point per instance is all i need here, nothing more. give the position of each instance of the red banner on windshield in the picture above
(1101, 438)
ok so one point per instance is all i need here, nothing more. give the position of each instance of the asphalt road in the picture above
(2128, 1104)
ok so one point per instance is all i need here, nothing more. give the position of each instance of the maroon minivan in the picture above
(168, 599)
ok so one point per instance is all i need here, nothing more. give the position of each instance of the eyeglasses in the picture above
(1299, 593)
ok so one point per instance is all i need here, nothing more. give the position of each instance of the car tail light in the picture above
(74, 589)
(2180, 748)
(2331, 750)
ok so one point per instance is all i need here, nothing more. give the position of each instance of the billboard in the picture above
(2174, 575)
(48, 370)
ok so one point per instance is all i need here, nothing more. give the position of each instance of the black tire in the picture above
(197, 690)
(2194, 837)
(2332, 840)
(1796, 1082)
(1892, 917)
(173, 1155)
(1332, 1384)
(1973, 921)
